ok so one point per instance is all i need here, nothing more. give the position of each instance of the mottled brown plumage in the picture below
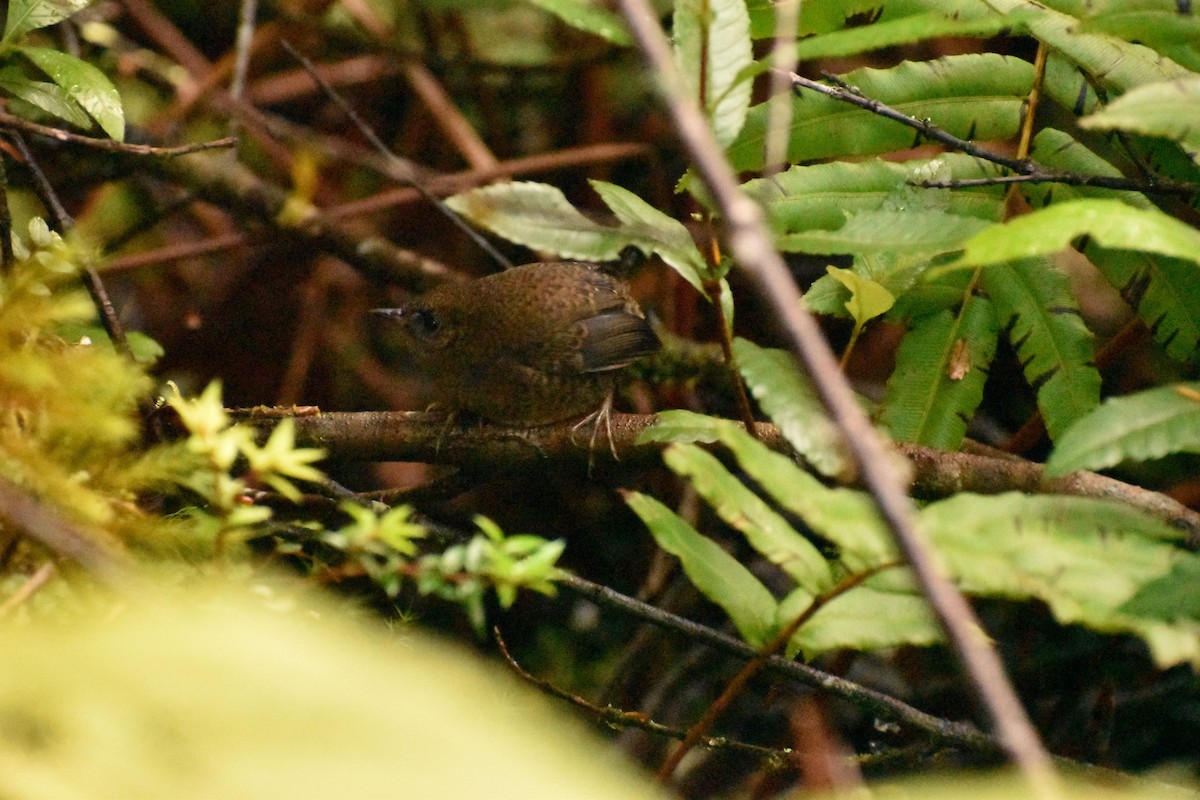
(532, 345)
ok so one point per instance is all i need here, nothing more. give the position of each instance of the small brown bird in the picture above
(536, 344)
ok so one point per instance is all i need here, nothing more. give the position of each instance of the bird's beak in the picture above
(390, 313)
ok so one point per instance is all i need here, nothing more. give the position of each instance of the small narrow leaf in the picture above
(764, 528)
(1141, 426)
(714, 572)
(941, 368)
(84, 84)
(786, 396)
(1041, 318)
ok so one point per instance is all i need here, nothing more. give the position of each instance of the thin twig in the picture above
(700, 729)
(384, 150)
(109, 318)
(873, 702)
(28, 589)
(247, 15)
(58, 134)
(95, 550)
(627, 719)
(1022, 166)
(756, 256)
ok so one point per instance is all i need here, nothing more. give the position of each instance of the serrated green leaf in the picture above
(589, 17)
(539, 216)
(49, 97)
(784, 393)
(714, 572)
(821, 195)
(27, 15)
(930, 232)
(679, 425)
(765, 529)
(84, 84)
(1170, 109)
(1140, 426)
(712, 47)
(1085, 558)
(1114, 63)
(1041, 318)
(904, 30)
(941, 368)
(1110, 223)
(653, 231)
(1154, 23)
(976, 96)
(845, 517)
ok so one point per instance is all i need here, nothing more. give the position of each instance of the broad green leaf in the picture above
(764, 528)
(941, 367)
(1170, 109)
(977, 96)
(590, 17)
(786, 396)
(1140, 427)
(652, 230)
(1085, 558)
(821, 195)
(1164, 291)
(1110, 223)
(864, 618)
(868, 299)
(930, 232)
(714, 572)
(539, 216)
(1042, 321)
(49, 97)
(28, 15)
(712, 47)
(84, 84)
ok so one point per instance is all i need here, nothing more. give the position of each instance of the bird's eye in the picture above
(425, 322)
